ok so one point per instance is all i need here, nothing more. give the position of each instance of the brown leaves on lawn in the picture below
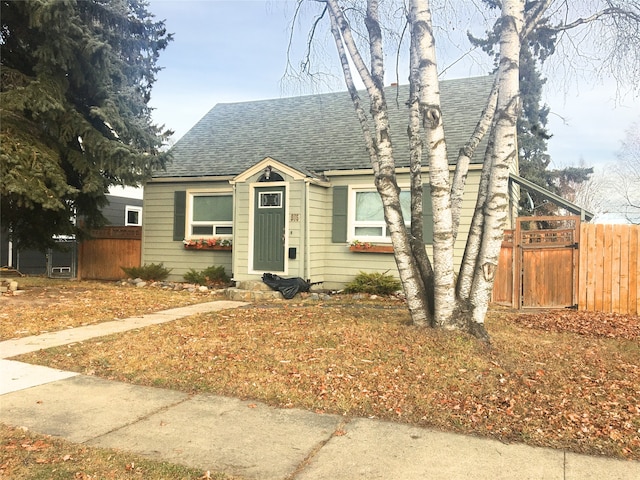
(50, 305)
(25, 455)
(40, 450)
(540, 385)
(594, 324)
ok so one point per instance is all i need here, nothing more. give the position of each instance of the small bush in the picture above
(209, 276)
(374, 283)
(193, 276)
(151, 271)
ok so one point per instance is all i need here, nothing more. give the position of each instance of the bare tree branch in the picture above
(353, 91)
(596, 16)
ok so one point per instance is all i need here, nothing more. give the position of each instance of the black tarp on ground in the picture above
(288, 287)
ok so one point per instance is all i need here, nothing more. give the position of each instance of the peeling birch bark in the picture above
(381, 149)
(428, 91)
(503, 154)
(465, 154)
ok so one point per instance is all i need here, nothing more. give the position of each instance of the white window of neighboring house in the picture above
(210, 215)
(367, 217)
(132, 216)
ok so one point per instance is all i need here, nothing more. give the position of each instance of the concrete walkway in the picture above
(250, 439)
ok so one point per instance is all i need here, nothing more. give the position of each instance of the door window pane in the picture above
(270, 199)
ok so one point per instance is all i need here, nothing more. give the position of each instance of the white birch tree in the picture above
(434, 296)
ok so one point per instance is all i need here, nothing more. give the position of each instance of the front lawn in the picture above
(29, 456)
(557, 379)
(46, 305)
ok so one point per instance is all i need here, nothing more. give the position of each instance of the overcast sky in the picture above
(234, 51)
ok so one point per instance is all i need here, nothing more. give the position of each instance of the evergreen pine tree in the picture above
(75, 119)
(533, 135)
(532, 145)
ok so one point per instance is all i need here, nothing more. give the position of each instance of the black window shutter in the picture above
(339, 221)
(427, 214)
(179, 214)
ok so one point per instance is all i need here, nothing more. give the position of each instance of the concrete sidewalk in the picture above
(255, 441)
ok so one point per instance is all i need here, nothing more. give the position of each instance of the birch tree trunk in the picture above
(465, 154)
(381, 149)
(428, 88)
(432, 297)
(430, 291)
(503, 152)
(414, 130)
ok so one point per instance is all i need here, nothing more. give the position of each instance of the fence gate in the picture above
(546, 262)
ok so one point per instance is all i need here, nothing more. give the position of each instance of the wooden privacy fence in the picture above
(503, 290)
(595, 268)
(609, 268)
(538, 266)
(110, 248)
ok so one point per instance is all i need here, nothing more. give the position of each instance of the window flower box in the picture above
(227, 248)
(366, 247)
(208, 244)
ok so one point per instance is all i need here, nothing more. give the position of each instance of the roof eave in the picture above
(208, 178)
(561, 202)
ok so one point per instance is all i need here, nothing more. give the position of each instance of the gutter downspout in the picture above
(307, 232)
(10, 253)
(233, 231)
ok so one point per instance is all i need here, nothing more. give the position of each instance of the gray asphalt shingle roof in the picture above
(313, 132)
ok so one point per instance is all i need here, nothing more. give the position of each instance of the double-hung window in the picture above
(210, 215)
(367, 216)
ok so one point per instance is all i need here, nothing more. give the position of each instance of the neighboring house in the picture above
(288, 182)
(120, 211)
(123, 211)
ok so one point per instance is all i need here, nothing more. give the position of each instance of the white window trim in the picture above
(352, 224)
(131, 208)
(189, 223)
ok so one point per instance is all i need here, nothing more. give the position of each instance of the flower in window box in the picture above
(358, 245)
(207, 244)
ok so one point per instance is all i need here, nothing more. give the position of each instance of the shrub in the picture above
(193, 276)
(151, 271)
(209, 276)
(374, 283)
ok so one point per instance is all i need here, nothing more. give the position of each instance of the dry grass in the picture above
(50, 305)
(545, 387)
(25, 455)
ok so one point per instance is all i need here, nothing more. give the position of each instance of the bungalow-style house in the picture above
(285, 186)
